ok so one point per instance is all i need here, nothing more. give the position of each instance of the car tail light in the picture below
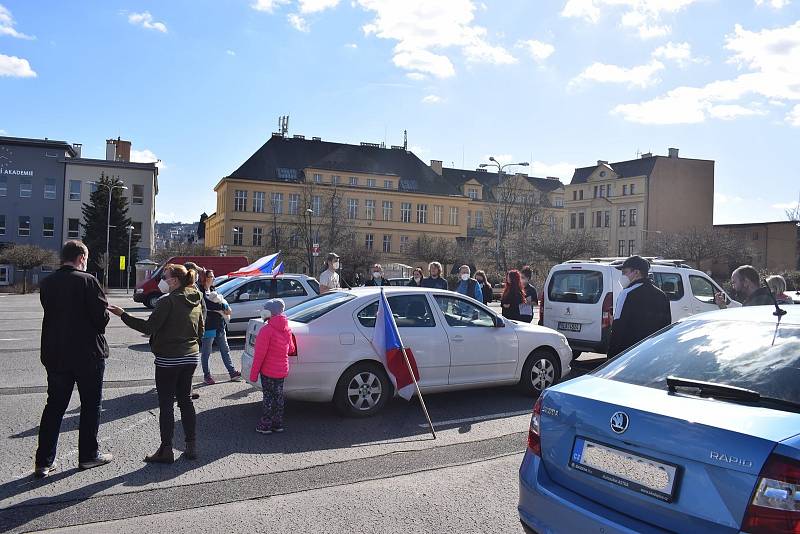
(534, 441)
(294, 342)
(541, 311)
(775, 506)
(608, 310)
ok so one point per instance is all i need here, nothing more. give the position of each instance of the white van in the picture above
(579, 295)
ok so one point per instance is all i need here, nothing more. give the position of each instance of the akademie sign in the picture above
(16, 172)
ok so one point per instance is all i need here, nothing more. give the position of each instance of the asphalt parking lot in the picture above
(463, 481)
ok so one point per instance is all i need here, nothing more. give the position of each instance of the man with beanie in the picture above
(641, 308)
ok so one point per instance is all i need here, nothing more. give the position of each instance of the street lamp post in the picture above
(499, 183)
(310, 213)
(128, 263)
(108, 224)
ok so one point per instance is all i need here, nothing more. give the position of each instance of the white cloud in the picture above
(268, 6)
(638, 76)
(15, 67)
(145, 20)
(146, 156)
(7, 23)
(776, 4)
(643, 15)
(352, 46)
(793, 117)
(681, 53)
(561, 170)
(432, 99)
(298, 23)
(417, 76)
(538, 50)
(423, 29)
(771, 58)
(230, 52)
(315, 6)
(723, 199)
(786, 206)
(3, 132)
(166, 217)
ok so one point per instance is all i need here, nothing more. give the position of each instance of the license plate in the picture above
(633, 471)
(571, 327)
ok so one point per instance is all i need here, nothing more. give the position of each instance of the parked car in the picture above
(246, 295)
(694, 429)
(578, 298)
(458, 343)
(147, 291)
(399, 281)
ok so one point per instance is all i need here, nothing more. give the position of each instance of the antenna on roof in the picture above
(405, 139)
(283, 125)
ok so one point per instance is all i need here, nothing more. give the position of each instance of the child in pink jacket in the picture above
(271, 361)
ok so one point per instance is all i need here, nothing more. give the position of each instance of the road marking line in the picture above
(14, 339)
(479, 418)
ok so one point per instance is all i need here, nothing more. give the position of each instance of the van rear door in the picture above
(574, 301)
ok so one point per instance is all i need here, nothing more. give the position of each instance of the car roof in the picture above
(370, 290)
(759, 314)
(270, 276)
(658, 266)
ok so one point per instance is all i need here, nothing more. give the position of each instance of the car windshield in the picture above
(314, 285)
(317, 307)
(763, 357)
(577, 286)
(229, 284)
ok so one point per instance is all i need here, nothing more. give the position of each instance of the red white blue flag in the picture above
(264, 265)
(277, 271)
(387, 343)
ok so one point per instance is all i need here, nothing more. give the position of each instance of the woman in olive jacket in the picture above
(175, 328)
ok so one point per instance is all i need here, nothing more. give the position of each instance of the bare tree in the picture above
(25, 258)
(183, 249)
(698, 245)
(559, 246)
(793, 214)
(516, 220)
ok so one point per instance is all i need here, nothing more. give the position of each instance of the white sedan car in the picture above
(458, 343)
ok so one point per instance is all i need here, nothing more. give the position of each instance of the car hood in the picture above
(530, 328)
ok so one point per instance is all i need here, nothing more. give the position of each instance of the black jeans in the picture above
(175, 383)
(59, 391)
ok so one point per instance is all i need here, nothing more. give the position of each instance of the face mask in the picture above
(265, 314)
(625, 281)
(163, 286)
(465, 277)
(417, 279)
(336, 265)
(376, 275)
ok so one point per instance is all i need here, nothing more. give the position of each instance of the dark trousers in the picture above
(272, 412)
(59, 391)
(175, 383)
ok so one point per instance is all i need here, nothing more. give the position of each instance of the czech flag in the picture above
(386, 342)
(264, 265)
(278, 270)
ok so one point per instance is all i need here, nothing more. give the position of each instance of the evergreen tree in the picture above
(94, 227)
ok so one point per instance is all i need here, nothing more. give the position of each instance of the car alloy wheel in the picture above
(541, 370)
(364, 391)
(542, 374)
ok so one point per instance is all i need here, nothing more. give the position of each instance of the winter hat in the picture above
(275, 306)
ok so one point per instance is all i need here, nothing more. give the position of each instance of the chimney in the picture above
(673, 153)
(647, 155)
(436, 165)
(118, 150)
(111, 150)
(77, 148)
(602, 162)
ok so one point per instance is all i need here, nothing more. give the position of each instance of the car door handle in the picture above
(457, 338)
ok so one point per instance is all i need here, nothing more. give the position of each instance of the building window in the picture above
(238, 235)
(607, 220)
(335, 179)
(75, 190)
(24, 228)
(559, 203)
(137, 228)
(755, 236)
(469, 218)
(25, 188)
(387, 210)
(575, 195)
(316, 205)
(258, 236)
(73, 228)
(4, 275)
(369, 209)
(632, 217)
(352, 208)
(387, 243)
(580, 194)
(2, 225)
(602, 191)
(621, 247)
(50, 188)
(369, 241)
(624, 189)
(294, 203)
(622, 218)
(405, 212)
(598, 219)
(595, 192)
(3, 186)
(258, 201)
(608, 190)
(294, 240)
(403, 243)
(479, 219)
(317, 178)
(137, 197)
(276, 200)
(370, 182)
(472, 193)
(437, 214)
(453, 216)
(387, 184)
(632, 189)
(581, 220)
(422, 213)
(631, 247)
(353, 180)
(48, 227)
(240, 200)
(286, 174)
(573, 221)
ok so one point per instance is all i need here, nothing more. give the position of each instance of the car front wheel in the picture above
(362, 390)
(541, 370)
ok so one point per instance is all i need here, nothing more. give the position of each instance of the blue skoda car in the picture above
(695, 429)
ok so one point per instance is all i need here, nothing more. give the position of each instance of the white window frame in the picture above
(453, 216)
(276, 203)
(369, 241)
(20, 229)
(352, 208)
(422, 214)
(137, 200)
(437, 214)
(369, 209)
(258, 201)
(238, 236)
(27, 192)
(388, 206)
(405, 212)
(387, 243)
(50, 193)
(294, 203)
(239, 200)
(52, 231)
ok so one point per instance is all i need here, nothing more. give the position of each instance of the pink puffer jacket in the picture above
(273, 345)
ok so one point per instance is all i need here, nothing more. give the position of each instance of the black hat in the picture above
(637, 263)
(332, 256)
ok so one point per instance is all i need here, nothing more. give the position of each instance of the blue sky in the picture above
(561, 83)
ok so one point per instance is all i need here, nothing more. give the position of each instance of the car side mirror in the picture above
(244, 297)
(499, 323)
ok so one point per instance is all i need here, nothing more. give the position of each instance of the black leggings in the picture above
(175, 383)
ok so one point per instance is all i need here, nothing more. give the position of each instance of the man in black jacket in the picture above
(73, 350)
(376, 277)
(641, 308)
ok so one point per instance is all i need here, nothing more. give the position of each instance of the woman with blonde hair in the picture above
(777, 284)
(175, 328)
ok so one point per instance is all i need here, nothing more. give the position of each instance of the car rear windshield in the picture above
(763, 357)
(317, 307)
(578, 286)
(314, 285)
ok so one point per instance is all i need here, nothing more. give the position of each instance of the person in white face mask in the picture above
(329, 279)
(376, 279)
(641, 308)
(416, 278)
(467, 285)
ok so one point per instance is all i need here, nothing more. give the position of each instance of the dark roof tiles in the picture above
(625, 169)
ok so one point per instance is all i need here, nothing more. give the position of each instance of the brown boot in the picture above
(163, 455)
(190, 453)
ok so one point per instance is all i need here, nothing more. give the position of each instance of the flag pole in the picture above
(416, 385)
